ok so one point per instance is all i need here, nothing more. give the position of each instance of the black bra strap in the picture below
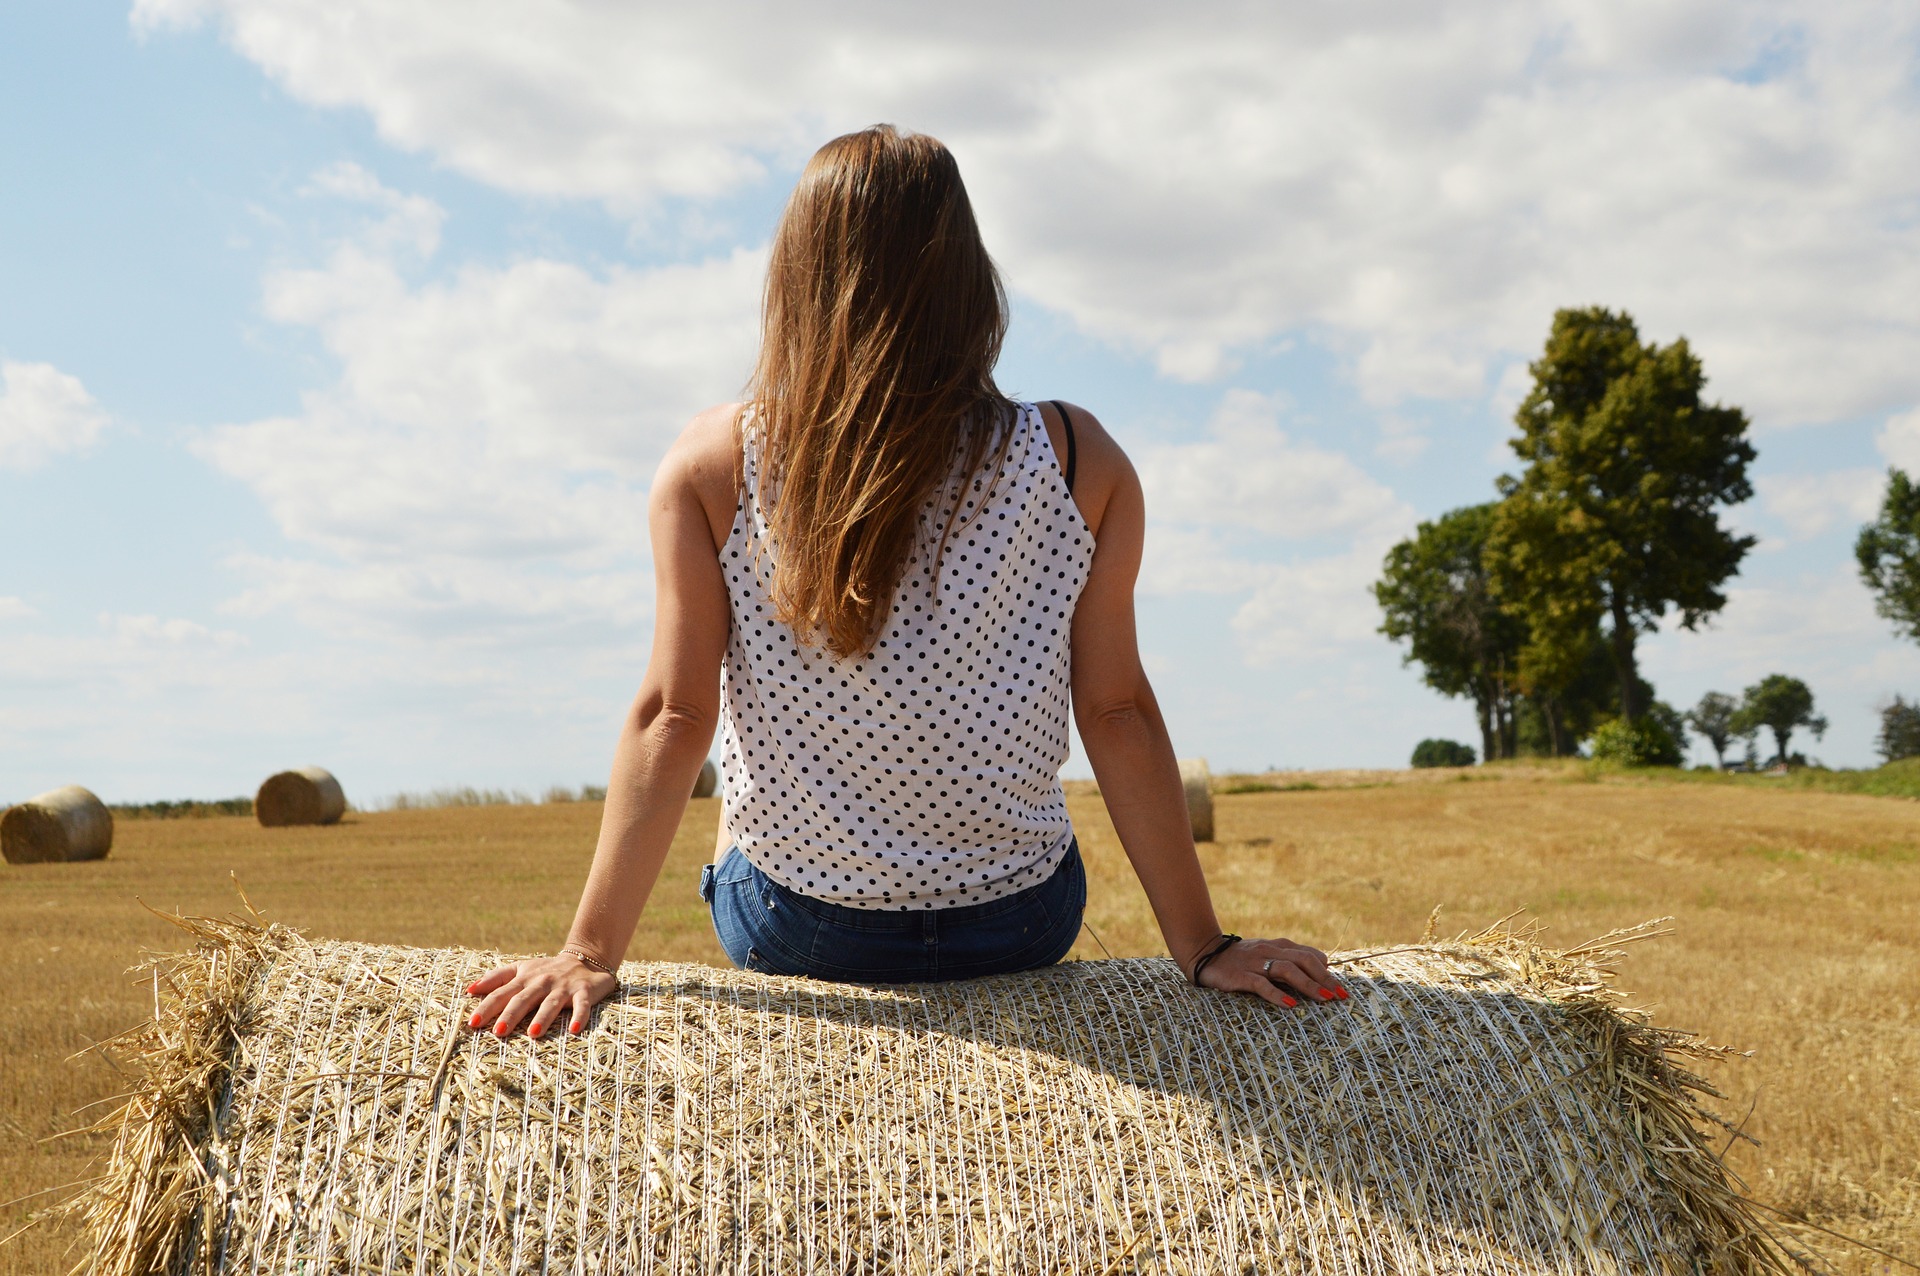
(1066, 423)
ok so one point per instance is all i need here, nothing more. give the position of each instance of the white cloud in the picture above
(12, 608)
(1417, 185)
(480, 463)
(1251, 476)
(148, 631)
(1899, 440)
(1810, 503)
(1313, 609)
(1401, 441)
(1184, 559)
(1248, 509)
(411, 221)
(44, 412)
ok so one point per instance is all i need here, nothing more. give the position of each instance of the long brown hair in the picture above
(881, 323)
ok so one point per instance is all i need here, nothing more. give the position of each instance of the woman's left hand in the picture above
(1268, 968)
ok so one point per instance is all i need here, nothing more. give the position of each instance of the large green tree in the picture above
(1713, 718)
(1561, 707)
(1435, 596)
(1889, 554)
(1615, 516)
(1781, 705)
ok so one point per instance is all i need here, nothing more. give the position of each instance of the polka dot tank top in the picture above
(926, 773)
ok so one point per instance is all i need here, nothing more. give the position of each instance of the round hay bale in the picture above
(58, 826)
(308, 796)
(1477, 1107)
(1198, 782)
(708, 780)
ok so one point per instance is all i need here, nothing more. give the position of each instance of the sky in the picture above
(339, 341)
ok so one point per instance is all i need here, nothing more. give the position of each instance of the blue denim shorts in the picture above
(766, 927)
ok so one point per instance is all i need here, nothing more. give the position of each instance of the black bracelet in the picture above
(1225, 942)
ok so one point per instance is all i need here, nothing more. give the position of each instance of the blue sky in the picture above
(339, 341)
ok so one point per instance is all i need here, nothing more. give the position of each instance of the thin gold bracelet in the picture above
(591, 963)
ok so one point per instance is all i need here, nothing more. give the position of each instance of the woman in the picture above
(901, 578)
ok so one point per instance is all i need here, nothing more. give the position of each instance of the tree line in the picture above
(1532, 604)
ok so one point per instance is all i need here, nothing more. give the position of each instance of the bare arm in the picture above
(663, 741)
(1127, 743)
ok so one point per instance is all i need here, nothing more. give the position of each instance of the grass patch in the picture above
(1233, 784)
(1896, 779)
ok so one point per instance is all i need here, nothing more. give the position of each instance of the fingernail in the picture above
(534, 1031)
(1288, 1002)
(500, 1030)
(474, 1022)
(574, 1028)
(1325, 995)
(1341, 993)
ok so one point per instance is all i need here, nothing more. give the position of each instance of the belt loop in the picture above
(706, 883)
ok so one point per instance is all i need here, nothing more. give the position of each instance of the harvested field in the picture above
(1793, 911)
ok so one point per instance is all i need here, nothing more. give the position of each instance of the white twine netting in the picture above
(1473, 1108)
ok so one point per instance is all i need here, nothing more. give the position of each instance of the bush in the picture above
(1899, 731)
(1442, 753)
(1643, 743)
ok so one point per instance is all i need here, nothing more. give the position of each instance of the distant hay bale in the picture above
(58, 826)
(309, 795)
(1480, 1107)
(1198, 782)
(707, 781)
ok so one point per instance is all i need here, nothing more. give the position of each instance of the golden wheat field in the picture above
(1796, 937)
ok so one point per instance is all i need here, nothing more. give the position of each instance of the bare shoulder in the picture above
(701, 464)
(1101, 468)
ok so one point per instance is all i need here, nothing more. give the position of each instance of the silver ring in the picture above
(1266, 967)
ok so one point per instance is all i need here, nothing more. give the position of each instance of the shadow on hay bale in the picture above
(61, 825)
(1480, 1106)
(309, 795)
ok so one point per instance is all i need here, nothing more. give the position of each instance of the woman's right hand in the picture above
(538, 990)
(1263, 966)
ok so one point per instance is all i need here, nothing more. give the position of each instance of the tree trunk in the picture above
(1550, 710)
(1780, 738)
(1620, 644)
(1719, 752)
(1484, 706)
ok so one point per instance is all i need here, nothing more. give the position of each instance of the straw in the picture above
(1479, 1106)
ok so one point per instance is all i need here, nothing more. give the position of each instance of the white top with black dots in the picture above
(925, 774)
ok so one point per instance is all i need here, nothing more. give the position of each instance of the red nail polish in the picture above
(1288, 1002)
(1325, 995)
(499, 1030)
(534, 1031)
(474, 1022)
(1341, 993)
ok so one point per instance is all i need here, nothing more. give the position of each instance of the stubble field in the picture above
(1797, 920)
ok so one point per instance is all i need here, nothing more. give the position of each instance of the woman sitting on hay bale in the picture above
(897, 575)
